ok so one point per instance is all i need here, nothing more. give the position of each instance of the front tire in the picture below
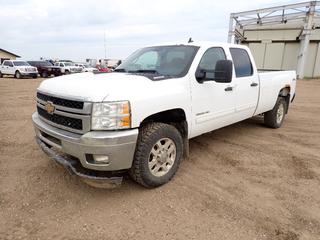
(18, 75)
(44, 74)
(158, 155)
(275, 117)
(1, 76)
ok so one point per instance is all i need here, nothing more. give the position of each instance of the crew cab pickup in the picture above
(139, 118)
(45, 68)
(18, 69)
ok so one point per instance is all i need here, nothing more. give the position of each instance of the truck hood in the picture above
(101, 87)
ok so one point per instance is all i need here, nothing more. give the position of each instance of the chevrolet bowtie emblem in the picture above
(49, 107)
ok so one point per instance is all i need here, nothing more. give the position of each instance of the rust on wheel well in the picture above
(285, 93)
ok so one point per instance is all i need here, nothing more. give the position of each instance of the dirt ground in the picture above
(244, 181)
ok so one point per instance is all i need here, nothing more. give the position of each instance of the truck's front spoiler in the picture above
(91, 177)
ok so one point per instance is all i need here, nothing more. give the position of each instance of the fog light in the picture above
(101, 159)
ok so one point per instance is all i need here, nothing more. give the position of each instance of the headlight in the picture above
(111, 115)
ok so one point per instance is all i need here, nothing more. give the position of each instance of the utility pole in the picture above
(305, 40)
(105, 45)
(231, 29)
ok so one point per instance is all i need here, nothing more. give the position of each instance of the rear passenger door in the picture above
(246, 84)
(6, 67)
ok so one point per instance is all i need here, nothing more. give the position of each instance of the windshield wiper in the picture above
(145, 71)
(120, 70)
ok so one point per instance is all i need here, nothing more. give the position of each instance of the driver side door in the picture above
(213, 103)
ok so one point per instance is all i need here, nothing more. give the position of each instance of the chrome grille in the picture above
(60, 101)
(69, 114)
(61, 120)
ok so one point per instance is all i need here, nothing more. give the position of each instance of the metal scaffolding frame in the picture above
(306, 14)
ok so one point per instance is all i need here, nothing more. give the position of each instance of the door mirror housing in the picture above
(221, 74)
(201, 76)
(223, 71)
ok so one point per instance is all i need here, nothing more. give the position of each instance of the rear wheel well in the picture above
(175, 117)
(285, 93)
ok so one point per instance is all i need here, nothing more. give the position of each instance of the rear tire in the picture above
(1, 75)
(275, 117)
(158, 155)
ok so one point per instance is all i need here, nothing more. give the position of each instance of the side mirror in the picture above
(200, 75)
(223, 71)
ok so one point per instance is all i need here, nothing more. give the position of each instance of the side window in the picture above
(6, 63)
(209, 60)
(10, 64)
(61, 65)
(242, 62)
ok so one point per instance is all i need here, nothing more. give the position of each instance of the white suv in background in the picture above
(86, 67)
(68, 67)
(18, 69)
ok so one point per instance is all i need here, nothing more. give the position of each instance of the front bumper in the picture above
(29, 74)
(75, 70)
(91, 177)
(119, 146)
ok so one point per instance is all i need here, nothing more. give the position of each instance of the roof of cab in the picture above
(204, 44)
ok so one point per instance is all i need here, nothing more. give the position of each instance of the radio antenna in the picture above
(190, 40)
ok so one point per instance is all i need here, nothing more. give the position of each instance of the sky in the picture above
(76, 29)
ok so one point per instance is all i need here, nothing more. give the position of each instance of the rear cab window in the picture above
(242, 62)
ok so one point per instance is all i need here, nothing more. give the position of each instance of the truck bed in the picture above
(271, 83)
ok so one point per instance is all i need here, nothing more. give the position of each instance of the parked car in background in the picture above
(68, 67)
(103, 69)
(18, 69)
(113, 63)
(86, 67)
(46, 69)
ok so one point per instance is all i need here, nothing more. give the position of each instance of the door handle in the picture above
(228, 89)
(254, 84)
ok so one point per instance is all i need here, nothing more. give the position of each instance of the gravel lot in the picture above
(244, 181)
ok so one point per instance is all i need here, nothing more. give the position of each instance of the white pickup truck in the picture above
(139, 118)
(18, 69)
(68, 67)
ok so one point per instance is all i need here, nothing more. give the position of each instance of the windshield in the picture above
(161, 60)
(45, 64)
(21, 63)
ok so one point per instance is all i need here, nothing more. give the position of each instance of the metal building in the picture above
(281, 38)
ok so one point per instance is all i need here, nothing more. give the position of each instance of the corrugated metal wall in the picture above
(284, 56)
(278, 49)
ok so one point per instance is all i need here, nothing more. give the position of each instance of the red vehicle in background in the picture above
(103, 69)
